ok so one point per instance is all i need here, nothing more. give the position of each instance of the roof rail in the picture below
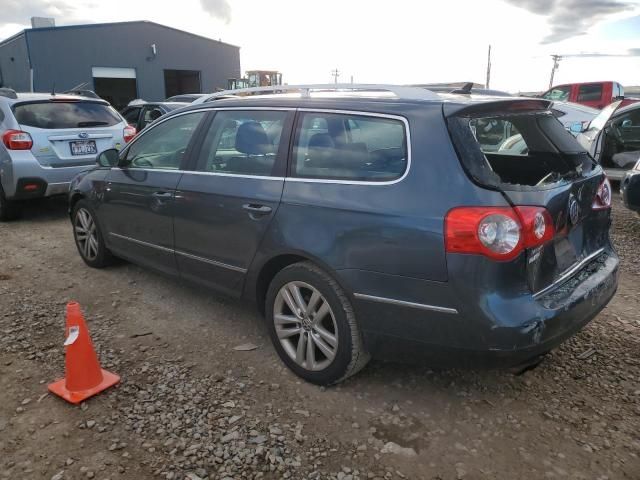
(9, 93)
(400, 91)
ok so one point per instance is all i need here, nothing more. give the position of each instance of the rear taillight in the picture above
(17, 140)
(128, 133)
(603, 196)
(501, 233)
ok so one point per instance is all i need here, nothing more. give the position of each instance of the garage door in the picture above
(116, 85)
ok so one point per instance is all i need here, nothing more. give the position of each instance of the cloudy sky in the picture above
(400, 41)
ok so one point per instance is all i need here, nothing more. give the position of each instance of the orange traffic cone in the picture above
(84, 377)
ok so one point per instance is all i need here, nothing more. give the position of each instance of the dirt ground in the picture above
(191, 406)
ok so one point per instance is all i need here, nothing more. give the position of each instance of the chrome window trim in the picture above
(212, 108)
(238, 175)
(403, 303)
(177, 252)
(568, 273)
(359, 182)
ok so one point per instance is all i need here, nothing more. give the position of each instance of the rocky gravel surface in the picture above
(192, 405)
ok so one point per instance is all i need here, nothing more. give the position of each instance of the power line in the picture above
(556, 64)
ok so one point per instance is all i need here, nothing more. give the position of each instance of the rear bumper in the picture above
(497, 328)
(23, 169)
(630, 189)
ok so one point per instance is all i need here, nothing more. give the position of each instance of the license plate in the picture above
(83, 147)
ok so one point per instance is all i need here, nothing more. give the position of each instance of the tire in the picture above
(9, 210)
(83, 218)
(332, 336)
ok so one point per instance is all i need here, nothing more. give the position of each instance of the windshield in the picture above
(72, 114)
(600, 121)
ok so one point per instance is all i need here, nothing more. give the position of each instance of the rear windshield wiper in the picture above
(92, 124)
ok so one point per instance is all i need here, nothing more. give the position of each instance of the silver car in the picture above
(47, 139)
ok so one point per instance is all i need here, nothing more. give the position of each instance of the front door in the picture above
(139, 196)
(224, 207)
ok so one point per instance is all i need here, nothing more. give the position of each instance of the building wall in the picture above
(65, 55)
(15, 73)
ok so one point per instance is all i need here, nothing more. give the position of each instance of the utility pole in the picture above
(556, 64)
(488, 68)
(336, 74)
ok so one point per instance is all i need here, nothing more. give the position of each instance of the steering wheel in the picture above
(141, 162)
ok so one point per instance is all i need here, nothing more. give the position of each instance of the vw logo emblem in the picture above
(83, 135)
(574, 210)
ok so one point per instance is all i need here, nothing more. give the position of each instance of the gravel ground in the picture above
(193, 406)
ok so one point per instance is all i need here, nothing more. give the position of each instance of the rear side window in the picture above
(52, 115)
(350, 147)
(590, 93)
(242, 142)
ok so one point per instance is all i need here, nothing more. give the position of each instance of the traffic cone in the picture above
(84, 377)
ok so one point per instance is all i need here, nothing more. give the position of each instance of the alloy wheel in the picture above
(86, 234)
(305, 325)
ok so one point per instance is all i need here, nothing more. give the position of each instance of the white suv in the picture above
(47, 139)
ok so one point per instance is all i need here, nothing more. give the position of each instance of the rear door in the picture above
(138, 202)
(224, 206)
(69, 132)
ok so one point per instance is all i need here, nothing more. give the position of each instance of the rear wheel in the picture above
(9, 210)
(313, 326)
(88, 237)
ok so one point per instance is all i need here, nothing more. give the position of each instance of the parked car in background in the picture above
(630, 188)
(48, 139)
(185, 97)
(574, 116)
(613, 138)
(354, 221)
(140, 113)
(592, 94)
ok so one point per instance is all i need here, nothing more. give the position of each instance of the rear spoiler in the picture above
(495, 107)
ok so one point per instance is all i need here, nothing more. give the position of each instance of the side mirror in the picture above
(108, 158)
(576, 127)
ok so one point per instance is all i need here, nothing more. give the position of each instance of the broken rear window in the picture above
(518, 149)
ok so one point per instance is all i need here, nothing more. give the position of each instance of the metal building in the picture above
(119, 61)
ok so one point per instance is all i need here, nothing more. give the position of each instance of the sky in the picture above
(399, 41)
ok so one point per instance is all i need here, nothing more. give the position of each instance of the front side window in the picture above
(350, 147)
(163, 146)
(242, 142)
(590, 93)
(65, 114)
(558, 94)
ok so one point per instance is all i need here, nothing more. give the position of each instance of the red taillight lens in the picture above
(501, 233)
(17, 140)
(603, 196)
(128, 133)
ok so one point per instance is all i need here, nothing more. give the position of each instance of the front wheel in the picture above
(88, 237)
(313, 326)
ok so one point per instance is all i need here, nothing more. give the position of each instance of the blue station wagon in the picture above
(366, 216)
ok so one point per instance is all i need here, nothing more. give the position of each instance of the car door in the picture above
(137, 207)
(224, 207)
(591, 138)
(131, 115)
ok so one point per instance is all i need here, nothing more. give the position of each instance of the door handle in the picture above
(162, 194)
(256, 209)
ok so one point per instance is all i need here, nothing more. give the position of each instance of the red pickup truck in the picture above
(592, 94)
